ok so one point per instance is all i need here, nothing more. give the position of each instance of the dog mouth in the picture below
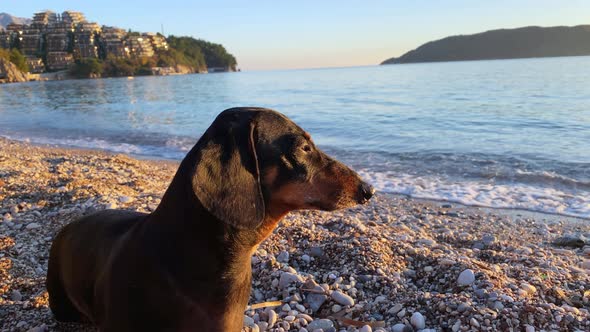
(343, 201)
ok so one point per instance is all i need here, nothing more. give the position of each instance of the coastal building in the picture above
(140, 46)
(15, 28)
(35, 65)
(31, 42)
(57, 37)
(87, 27)
(59, 60)
(41, 20)
(84, 43)
(72, 18)
(111, 42)
(5, 39)
(158, 41)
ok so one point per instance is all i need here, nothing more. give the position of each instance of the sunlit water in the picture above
(510, 134)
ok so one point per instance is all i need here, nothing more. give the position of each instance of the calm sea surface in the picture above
(509, 133)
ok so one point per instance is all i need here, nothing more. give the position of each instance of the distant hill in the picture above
(6, 19)
(527, 42)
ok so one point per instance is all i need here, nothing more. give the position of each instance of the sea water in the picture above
(503, 133)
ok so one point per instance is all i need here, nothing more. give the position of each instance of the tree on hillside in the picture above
(185, 51)
(87, 67)
(19, 60)
(209, 54)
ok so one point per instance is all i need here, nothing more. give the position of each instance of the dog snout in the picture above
(366, 192)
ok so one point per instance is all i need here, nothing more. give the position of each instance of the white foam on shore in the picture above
(575, 203)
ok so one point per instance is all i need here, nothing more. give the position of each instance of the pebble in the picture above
(248, 321)
(366, 328)
(398, 327)
(342, 298)
(466, 278)
(528, 288)
(287, 278)
(33, 225)
(306, 258)
(315, 301)
(323, 324)
(418, 321)
(125, 199)
(272, 318)
(396, 308)
(316, 251)
(529, 328)
(16, 296)
(40, 328)
(488, 239)
(463, 307)
(283, 257)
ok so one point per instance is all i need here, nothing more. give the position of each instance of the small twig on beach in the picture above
(265, 305)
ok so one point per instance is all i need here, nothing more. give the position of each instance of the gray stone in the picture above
(40, 328)
(248, 321)
(316, 252)
(488, 239)
(16, 296)
(315, 301)
(418, 321)
(323, 324)
(398, 328)
(572, 240)
(283, 257)
(463, 307)
(466, 278)
(342, 298)
(33, 225)
(287, 278)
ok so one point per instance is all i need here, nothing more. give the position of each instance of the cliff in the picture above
(527, 42)
(9, 73)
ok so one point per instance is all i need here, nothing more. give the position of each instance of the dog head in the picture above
(254, 161)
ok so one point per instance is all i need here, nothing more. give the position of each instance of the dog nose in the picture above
(367, 191)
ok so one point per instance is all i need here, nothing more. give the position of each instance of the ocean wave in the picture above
(546, 199)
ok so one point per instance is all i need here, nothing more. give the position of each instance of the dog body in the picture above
(186, 266)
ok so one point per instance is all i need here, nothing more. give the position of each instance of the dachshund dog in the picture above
(186, 266)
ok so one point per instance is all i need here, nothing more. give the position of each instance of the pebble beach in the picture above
(395, 264)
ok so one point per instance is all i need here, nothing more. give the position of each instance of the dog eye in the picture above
(306, 148)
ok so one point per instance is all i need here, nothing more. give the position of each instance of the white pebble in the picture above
(418, 320)
(366, 328)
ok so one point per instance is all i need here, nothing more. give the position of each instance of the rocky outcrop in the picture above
(9, 73)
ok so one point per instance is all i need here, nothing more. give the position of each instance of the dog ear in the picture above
(227, 175)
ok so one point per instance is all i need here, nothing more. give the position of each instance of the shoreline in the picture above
(512, 212)
(401, 260)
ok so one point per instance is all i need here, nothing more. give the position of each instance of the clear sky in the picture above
(321, 33)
